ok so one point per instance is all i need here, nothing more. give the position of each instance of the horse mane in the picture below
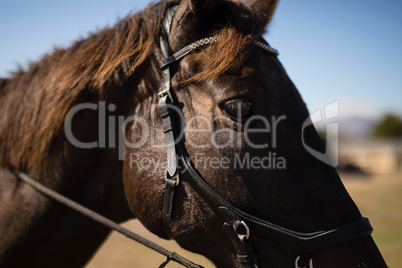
(37, 100)
(94, 60)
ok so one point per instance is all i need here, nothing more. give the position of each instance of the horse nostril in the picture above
(362, 265)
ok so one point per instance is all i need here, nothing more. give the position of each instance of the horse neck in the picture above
(66, 238)
(91, 177)
(32, 139)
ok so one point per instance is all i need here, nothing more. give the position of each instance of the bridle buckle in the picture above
(239, 230)
(310, 263)
(175, 177)
(164, 93)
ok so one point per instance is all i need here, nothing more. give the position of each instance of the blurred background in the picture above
(335, 51)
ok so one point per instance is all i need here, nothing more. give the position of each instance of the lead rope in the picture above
(171, 256)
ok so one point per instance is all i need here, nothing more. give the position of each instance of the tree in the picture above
(389, 127)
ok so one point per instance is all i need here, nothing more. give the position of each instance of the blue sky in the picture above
(333, 50)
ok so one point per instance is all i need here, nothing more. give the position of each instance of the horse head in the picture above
(241, 121)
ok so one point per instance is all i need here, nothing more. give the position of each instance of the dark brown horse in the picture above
(61, 123)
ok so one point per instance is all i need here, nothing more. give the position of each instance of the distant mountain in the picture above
(353, 128)
(356, 128)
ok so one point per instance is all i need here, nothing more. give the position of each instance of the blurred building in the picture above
(376, 157)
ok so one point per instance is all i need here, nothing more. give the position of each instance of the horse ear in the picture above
(265, 8)
(203, 8)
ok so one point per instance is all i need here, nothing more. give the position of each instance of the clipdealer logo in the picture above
(331, 112)
(108, 137)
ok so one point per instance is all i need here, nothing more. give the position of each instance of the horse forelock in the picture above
(236, 27)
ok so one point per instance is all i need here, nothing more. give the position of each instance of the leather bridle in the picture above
(239, 226)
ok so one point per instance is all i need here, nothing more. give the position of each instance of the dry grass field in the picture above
(379, 198)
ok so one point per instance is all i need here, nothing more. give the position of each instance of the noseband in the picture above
(239, 226)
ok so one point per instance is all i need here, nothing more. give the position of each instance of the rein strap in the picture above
(171, 256)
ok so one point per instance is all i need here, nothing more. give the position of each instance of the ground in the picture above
(379, 197)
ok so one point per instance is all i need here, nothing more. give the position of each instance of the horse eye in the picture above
(238, 108)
